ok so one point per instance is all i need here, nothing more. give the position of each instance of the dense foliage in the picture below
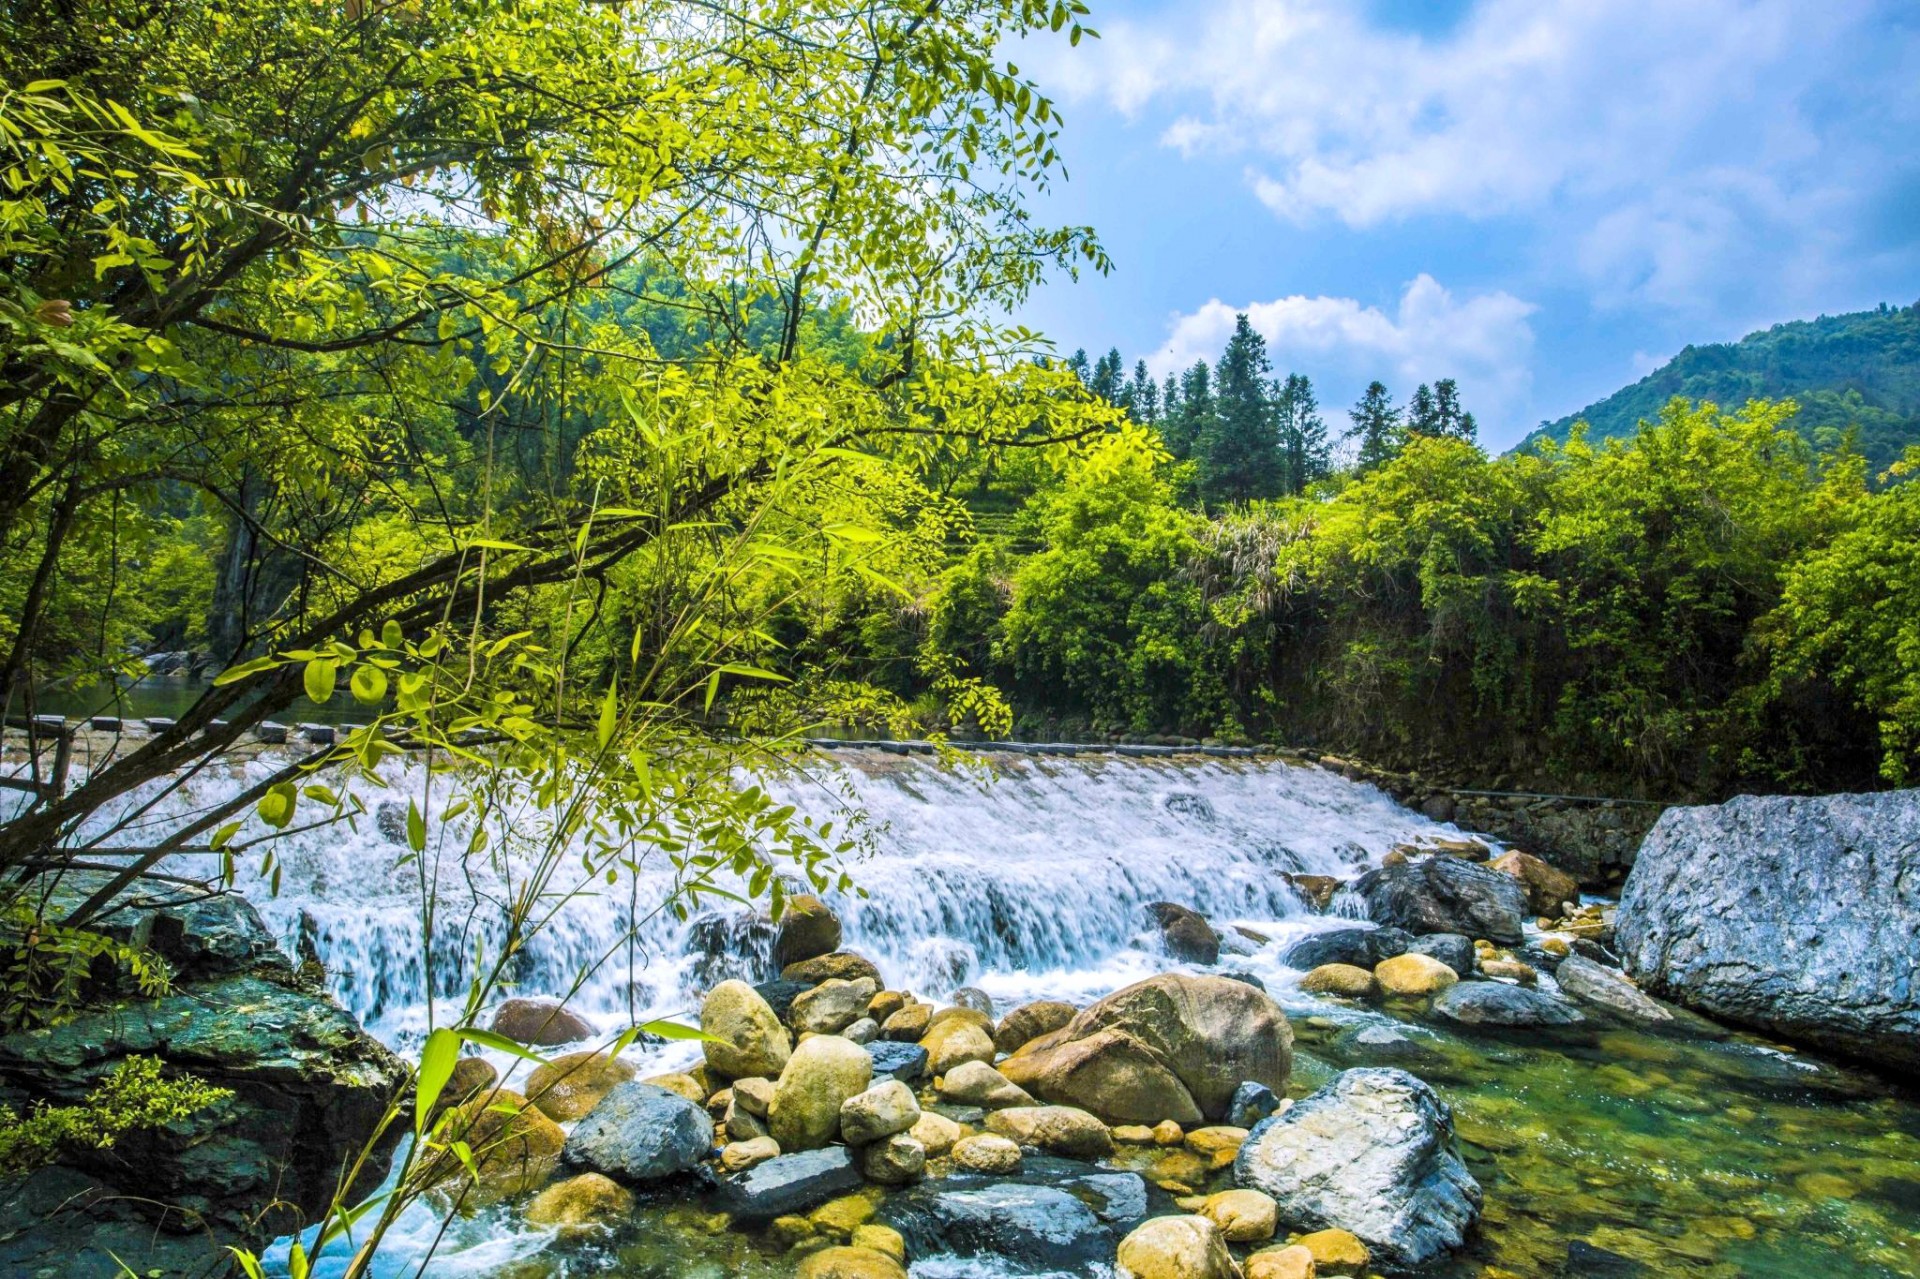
(1858, 372)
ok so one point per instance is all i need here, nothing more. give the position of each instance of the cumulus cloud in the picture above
(1656, 147)
(1485, 341)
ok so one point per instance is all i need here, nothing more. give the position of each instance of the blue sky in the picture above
(1545, 199)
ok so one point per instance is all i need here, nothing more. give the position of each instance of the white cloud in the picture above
(1653, 146)
(1485, 341)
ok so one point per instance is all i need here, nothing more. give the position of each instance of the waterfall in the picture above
(1026, 876)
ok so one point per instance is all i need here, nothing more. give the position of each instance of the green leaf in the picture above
(609, 714)
(437, 1061)
(276, 807)
(500, 1043)
(674, 1030)
(234, 674)
(416, 828)
(224, 836)
(494, 544)
(369, 684)
(318, 678)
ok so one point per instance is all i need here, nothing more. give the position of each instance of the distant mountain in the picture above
(1844, 370)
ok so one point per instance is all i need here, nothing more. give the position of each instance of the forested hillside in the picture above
(1844, 371)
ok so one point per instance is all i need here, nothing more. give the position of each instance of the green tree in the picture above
(1239, 451)
(1188, 410)
(1303, 434)
(1143, 395)
(1376, 428)
(1423, 413)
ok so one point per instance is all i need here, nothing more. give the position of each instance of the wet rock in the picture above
(849, 1262)
(975, 1000)
(950, 1041)
(1584, 1261)
(1372, 1153)
(639, 1133)
(832, 1006)
(781, 994)
(512, 1142)
(808, 929)
(1244, 978)
(756, 1044)
(1315, 890)
(1344, 980)
(1185, 933)
(736, 944)
(471, 1077)
(878, 1113)
(1291, 1262)
(572, 1084)
(908, 1024)
(894, 1161)
(1243, 1216)
(1413, 976)
(1547, 888)
(1030, 1021)
(974, 1083)
(844, 965)
(819, 1078)
(1251, 1103)
(579, 1202)
(540, 1023)
(906, 1062)
(1058, 1130)
(1796, 915)
(1490, 1003)
(754, 1096)
(936, 1132)
(791, 1183)
(1451, 949)
(739, 1156)
(1176, 1248)
(1360, 947)
(1337, 1252)
(886, 1004)
(1109, 1073)
(1446, 895)
(1511, 969)
(882, 1239)
(1214, 1034)
(1039, 1227)
(987, 1153)
(1608, 988)
(684, 1084)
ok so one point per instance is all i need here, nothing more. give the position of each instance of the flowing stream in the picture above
(1616, 1152)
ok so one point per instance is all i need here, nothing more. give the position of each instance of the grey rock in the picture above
(1186, 933)
(1252, 1102)
(1043, 1227)
(972, 997)
(1447, 895)
(905, 1062)
(640, 1133)
(1245, 978)
(787, 1184)
(1373, 1152)
(1608, 988)
(1387, 941)
(1451, 949)
(1797, 915)
(1336, 946)
(781, 994)
(1493, 1003)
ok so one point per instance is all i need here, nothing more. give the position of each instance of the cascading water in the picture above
(1026, 878)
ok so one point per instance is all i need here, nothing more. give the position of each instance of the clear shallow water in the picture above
(1703, 1153)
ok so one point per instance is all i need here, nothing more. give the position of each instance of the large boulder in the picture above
(1548, 888)
(1373, 1153)
(820, 1076)
(808, 930)
(846, 965)
(1176, 1248)
(308, 1089)
(1446, 895)
(1493, 1003)
(540, 1022)
(1608, 988)
(787, 1184)
(1797, 915)
(832, 1006)
(1058, 1130)
(1213, 1033)
(641, 1133)
(1360, 947)
(755, 1043)
(1038, 1227)
(1451, 949)
(1030, 1021)
(1108, 1073)
(514, 1146)
(1185, 933)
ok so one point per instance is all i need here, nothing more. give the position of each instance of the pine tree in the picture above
(1187, 409)
(1239, 451)
(1423, 413)
(1449, 419)
(1078, 363)
(1107, 381)
(1143, 395)
(1376, 425)
(1303, 435)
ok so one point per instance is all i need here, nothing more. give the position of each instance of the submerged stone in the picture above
(1043, 1227)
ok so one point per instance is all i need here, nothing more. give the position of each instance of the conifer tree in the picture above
(1303, 434)
(1423, 412)
(1239, 451)
(1188, 412)
(1143, 395)
(1448, 417)
(1078, 363)
(1376, 426)
(1106, 380)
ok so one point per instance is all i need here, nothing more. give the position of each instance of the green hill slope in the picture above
(1860, 370)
